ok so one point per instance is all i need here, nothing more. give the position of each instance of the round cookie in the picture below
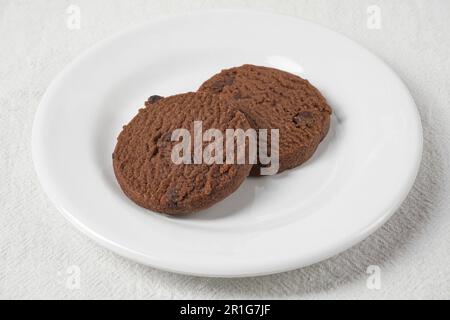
(275, 99)
(142, 157)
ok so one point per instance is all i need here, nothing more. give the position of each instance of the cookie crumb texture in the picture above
(142, 157)
(275, 99)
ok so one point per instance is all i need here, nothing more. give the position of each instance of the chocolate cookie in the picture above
(274, 99)
(143, 162)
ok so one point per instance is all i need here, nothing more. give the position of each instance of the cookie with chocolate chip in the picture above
(143, 162)
(275, 99)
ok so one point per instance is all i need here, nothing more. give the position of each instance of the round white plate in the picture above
(356, 180)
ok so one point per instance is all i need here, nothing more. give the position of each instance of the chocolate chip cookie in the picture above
(143, 157)
(275, 99)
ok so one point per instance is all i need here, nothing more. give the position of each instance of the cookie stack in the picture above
(245, 97)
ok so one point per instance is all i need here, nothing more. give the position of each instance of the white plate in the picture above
(357, 179)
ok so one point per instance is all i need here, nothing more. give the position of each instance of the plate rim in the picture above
(137, 256)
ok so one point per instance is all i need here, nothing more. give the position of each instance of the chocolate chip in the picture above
(303, 118)
(172, 198)
(153, 99)
(162, 139)
(163, 145)
(220, 84)
(166, 136)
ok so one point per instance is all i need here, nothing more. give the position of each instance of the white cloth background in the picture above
(37, 245)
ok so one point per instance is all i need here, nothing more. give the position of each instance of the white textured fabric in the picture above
(38, 246)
